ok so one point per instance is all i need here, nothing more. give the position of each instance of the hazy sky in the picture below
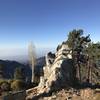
(45, 22)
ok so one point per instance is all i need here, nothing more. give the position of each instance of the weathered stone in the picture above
(58, 71)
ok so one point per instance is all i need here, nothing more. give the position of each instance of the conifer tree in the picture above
(77, 42)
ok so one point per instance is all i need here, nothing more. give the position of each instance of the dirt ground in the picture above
(72, 94)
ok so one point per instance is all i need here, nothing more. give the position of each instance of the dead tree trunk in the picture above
(32, 59)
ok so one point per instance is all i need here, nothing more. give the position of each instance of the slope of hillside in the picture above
(10, 66)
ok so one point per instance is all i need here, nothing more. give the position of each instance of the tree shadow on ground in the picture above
(42, 95)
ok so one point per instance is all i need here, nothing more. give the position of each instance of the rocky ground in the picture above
(65, 94)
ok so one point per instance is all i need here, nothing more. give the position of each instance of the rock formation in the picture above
(59, 74)
(58, 71)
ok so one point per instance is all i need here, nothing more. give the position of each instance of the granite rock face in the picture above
(58, 71)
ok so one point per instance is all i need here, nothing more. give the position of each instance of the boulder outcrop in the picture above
(58, 71)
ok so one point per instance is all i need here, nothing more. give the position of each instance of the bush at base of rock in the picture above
(5, 86)
(17, 85)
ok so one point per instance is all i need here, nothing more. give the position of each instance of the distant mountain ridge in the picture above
(10, 66)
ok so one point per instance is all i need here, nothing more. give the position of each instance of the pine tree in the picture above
(77, 42)
(19, 74)
(1, 71)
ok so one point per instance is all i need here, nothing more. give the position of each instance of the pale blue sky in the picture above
(45, 22)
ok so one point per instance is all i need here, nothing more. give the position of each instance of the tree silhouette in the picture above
(77, 42)
(19, 74)
(1, 71)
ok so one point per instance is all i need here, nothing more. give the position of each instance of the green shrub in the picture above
(17, 85)
(5, 86)
(2, 81)
(10, 81)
